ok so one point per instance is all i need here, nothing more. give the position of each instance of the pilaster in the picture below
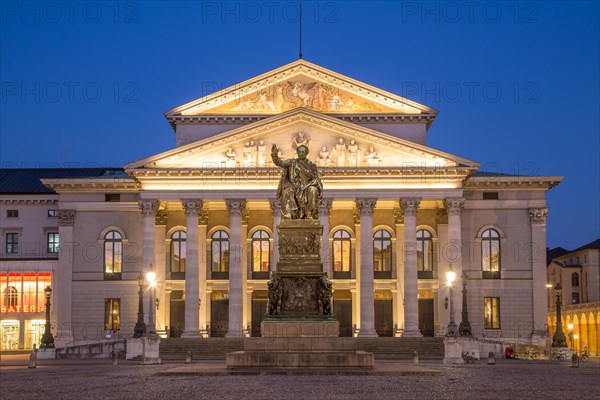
(537, 217)
(63, 278)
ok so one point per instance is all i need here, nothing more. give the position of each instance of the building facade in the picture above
(578, 273)
(203, 216)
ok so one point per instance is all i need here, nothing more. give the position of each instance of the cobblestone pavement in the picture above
(99, 380)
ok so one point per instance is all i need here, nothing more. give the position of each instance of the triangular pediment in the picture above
(301, 84)
(332, 143)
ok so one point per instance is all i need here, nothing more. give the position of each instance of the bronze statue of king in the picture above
(300, 190)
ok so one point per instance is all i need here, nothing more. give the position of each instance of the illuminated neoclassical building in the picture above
(396, 213)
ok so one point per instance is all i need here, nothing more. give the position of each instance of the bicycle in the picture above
(584, 356)
(120, 354)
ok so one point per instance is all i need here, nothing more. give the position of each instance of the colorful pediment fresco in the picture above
(301, 84)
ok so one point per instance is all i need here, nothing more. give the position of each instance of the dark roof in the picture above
(592, 245)
(27, 180)
(555, 253)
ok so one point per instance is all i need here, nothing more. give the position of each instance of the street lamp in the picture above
(140, 326)
(464, 329)
(47, 338)
(151, 277)
(451, 277)
(559, 339)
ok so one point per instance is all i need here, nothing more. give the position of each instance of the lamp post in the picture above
(151, 277)
(464, 329)
(140, 326)
(451, 277)
(559, 339)
(47, 338)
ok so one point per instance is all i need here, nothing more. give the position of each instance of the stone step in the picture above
(383, 348)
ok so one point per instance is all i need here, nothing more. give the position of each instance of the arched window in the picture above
(219, 255)
(382, 254)
(490, 254)
(424, 254)
(13, 296)
(113, 255)
(261, 248)
(178, 254)
(342, 254)
(575, 279)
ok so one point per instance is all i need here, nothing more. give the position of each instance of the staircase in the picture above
(383, 348)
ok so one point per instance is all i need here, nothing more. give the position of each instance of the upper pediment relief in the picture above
(301, 84)
(332, 143)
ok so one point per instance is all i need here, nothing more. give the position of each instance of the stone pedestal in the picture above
(134, 349)
(300, 330)
(453, 349)
(45, 354)
(150, 350)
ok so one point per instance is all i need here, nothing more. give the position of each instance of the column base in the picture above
(412, 334)
(191, 335)
(367, 333)
(453, 349)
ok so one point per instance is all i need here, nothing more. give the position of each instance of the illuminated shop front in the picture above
(22, 308)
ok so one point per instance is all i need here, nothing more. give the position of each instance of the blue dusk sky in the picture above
(516, 83)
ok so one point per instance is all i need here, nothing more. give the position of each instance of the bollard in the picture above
(114, 358)
(188, 357)
(415, 357)
(491, 358)
(575, 361)
(32, 358)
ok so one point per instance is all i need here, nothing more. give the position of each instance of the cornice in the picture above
(513, 182)
(216, 119)
(28, 201)
(123, 185)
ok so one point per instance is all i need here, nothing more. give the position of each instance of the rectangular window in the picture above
(575, 298)
(112, 197)
(491, 309)
(490, 195)
(12, 243)
(12, 213)
(53, 242)
(52, 213)
(112, 314)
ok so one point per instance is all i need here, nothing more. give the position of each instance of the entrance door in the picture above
(426, 325)
(219, 317)
(384, 324)
(259, 310)
(342, 310)
(177, 320)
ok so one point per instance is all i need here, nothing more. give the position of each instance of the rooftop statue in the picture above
(300, 190)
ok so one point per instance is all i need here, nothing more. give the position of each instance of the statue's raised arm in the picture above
(300, 190)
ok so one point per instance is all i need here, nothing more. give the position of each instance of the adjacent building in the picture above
(578, 273)
(203, 216)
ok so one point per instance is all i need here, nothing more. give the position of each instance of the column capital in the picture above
(325, 207)
(236, 206)
(409, 206)
(366, 206)
(191, 207)
(148, 207)
(66, 217)
(454, 205)
(538, 215)
(398, 216)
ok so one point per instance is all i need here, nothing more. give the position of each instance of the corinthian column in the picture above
(192, 285)
(454, 207)
(236, 289)
(149, 209)
(62, 280)
(367, 284)
(537, 217)
(324, 211)
(411, 284)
